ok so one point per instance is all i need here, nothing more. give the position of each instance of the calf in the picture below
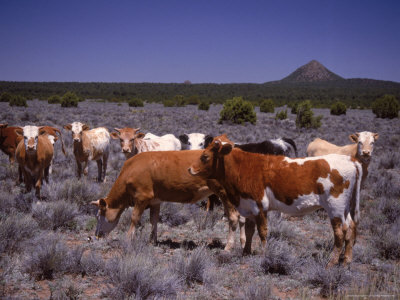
(360, 150)
(134, 142)
(195, 141)
(256, 184)
(34, 154)
(149, 178)
(91, 144)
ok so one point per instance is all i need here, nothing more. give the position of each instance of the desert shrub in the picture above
(6, 97)
(93, 264)
(65, 289)
(267, 106)
(174, 214)
(14, 229)
(390, 160)
(193, 99)
(386, 107)
(135, 102)
(293, 107)
(281, 115)
(204, 105)
(69, 99)
(387, 241)
(140, 276)
(305, 116)
(180, 101)
(338, 108)
(281, 229)
(55, 215)
(238, 111)
(204, 219)
(54, 99)
(193, 268)
(257, 291)
(47, 257)
(168, 103)
(279, 258)
(18, 100)
(332, 281)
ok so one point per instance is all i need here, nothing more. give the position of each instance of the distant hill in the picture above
(312, 81)
(312, 72)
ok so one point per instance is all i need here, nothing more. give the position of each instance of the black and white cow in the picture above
(281, 146)
(195, 141)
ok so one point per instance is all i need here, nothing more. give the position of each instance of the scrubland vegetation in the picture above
(47, 248)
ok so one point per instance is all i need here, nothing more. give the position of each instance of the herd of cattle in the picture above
(249, 179)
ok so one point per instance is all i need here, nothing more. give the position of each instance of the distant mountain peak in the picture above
(313, 71)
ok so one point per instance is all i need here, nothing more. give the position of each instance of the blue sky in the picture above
(201, 41)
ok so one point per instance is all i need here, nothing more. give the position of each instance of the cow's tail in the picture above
(355, 199)
(291, 143)
(62, 142)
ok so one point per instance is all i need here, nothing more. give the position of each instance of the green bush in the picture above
(267, 106)
(168, 103)
(386, 107)
(305, 116)
(238, 111)
(135, 102)
(204, 105)
(69, 100)
(179, 101)
(338, 108)
(54, 99)
(293, 106)
(6, 97)
(282, 115)
(18, 100)
(193, 99)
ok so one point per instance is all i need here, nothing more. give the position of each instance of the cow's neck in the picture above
(364, 165)
(118, 197)
(79, 149)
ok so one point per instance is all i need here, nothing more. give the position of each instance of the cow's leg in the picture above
(38, 183)
(262, 228)
(154, 216)
(51, 166)
(105, 160)
(78, 168)
(46, 173)
(137, 212)
(27, 181)
(85, 167)
(20, 177)
(11, 158)
(350, 240)
(242, 221)
(250, 228)
(337, 227)
(99, 169)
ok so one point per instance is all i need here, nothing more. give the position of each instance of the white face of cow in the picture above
(365, 144)
(31, 135)
(194, 141)
(77, 128)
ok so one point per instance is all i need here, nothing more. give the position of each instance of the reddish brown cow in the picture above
(34, 154)
(257, 183)
(9, 141)
(127, 138)
(149, 178)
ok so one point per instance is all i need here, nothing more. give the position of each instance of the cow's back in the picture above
(165, 173)
(96, 142)
(320, 147)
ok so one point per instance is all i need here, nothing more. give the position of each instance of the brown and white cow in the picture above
(149, 178)
(91, 144)
(34, 154)
(360, 150)
(256, 184)
(134, 142)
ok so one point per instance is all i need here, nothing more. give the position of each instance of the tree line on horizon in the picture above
(355, 93)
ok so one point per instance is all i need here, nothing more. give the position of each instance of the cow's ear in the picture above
(375, 135)
(42, 130)
(184, 138)
(225, 149)
(207, 140)
(114, 135)
(19, 131)
(101, 203)
(67, 127)
(353, 138)
(85, 127)
(3, 125)
(139, 135)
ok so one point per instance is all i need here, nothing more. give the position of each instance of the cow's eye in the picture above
(204, 158)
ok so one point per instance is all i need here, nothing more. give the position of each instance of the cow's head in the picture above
(207, 164)
(30, 135)
(77, 128)
(107, 218)
(127, 138)
(365, 144)
(2, 138)
(3, 125)
(195, 141)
